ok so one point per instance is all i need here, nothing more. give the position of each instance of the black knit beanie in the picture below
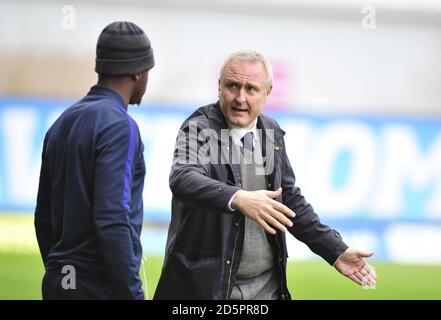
(123, 49)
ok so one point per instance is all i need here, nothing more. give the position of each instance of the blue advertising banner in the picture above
(376, 179)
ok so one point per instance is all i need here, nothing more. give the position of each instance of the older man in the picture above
(234, 198)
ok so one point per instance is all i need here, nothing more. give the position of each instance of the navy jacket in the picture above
(205, 240)
(89, 208)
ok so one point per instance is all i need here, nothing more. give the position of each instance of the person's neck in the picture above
(119, 87)
(250, 126)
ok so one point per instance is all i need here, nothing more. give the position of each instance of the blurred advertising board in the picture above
(375, 179)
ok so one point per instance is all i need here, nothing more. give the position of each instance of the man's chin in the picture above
(136, 102)
(240, 122)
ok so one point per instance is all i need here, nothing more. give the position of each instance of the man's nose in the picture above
(241, 96)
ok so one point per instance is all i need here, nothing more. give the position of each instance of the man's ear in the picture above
(268, 92)
(135, 77)
(218, 88)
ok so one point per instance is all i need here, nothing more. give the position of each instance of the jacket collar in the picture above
(218, 122)
(100, 90)
(264, 123)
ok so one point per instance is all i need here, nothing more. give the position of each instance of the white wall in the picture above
(323, 60)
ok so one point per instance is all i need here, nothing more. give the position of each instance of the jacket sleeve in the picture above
(190, 179)
(42, 219)
(116, 146)
(320, 238)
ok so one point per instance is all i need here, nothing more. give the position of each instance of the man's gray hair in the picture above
(250, 56)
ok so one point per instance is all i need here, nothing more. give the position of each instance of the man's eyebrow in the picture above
(247, 83)
(229, 80)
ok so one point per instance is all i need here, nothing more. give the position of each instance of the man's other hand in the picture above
(352, 264)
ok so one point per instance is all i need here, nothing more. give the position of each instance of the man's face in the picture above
(139, 88)
(243, 92)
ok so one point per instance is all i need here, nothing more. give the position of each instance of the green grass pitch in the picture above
(21, 274)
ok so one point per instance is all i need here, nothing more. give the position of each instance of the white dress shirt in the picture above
(237, 133)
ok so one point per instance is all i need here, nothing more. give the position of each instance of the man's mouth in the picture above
(240, 109)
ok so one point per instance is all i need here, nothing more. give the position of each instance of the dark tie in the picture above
(247, 141)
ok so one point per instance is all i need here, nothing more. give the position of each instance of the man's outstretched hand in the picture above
(352, 264)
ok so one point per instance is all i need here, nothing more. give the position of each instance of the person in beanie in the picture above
(89, 211)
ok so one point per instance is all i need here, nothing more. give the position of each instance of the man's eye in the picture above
(232, 86)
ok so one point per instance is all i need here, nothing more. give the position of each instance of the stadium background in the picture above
(357, 89)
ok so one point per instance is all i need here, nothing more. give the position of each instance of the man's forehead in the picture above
(248, 71)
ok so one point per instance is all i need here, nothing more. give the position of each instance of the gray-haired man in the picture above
(229, 218)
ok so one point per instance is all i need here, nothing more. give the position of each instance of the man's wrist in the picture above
(230, 203)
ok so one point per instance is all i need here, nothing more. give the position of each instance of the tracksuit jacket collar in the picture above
(101, 90)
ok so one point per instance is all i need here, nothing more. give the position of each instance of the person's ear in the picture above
(218, 88)
(135, 77)
(268, 91)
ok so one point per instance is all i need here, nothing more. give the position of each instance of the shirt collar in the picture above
(237, 133)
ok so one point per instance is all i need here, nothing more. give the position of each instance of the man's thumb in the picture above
(365, 254)
(274, 194)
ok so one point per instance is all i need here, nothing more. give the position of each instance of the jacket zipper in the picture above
(279, 259)
(232, 261)
(277, 147)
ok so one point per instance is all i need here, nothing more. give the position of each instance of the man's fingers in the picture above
(368, 281)
(275, 223)
(364, 272)
(283, 209)
(371, 281)
(274, 194)
(367, 276)
(362, 280)
(266, 227)
(279, 206)
(370, 270)
(281, 218)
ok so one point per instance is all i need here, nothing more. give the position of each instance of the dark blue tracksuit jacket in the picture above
(89, 208)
